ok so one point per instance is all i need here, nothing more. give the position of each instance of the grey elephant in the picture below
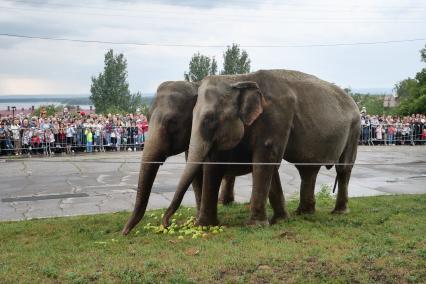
(170, 118)
(268, 116)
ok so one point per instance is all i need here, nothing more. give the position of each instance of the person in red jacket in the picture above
(35, 142)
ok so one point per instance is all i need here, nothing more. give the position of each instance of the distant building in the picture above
(391, 100)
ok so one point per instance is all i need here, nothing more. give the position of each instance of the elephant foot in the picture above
(338, 210)
(305, 210)
(255, 223)
(277, 218)
(166, 221)
(205, 221)
(226, 200)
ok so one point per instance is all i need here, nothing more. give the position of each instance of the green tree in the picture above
(406, 88)
(50, 110)
(412, 92)
(235, 61)
(213, 67)
(200, 66)
(110, 89)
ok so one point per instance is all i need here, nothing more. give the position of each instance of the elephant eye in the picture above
(210, 121)
(171, 124)
(208, 126)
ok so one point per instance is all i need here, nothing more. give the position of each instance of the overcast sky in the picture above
(31, 66)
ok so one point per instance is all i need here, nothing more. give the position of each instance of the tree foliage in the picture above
(372, 103)
(110, 89)
(423, 53)
(235, 61)
(412, 92)
(49, 110)
(200, 66)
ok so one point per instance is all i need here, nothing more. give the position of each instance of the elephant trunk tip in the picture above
(125, 231)
(134, 220)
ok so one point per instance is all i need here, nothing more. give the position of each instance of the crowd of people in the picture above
(72, 132)
(77, 132)
(393, 130)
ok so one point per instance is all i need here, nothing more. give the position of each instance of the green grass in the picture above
(383, 240)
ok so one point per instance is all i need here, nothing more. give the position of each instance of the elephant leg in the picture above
(343, 176)
(277, 200)
(308, 175)
(227, 190)
(344, 171)
(197, 184)
(262, 176)
(212, 176)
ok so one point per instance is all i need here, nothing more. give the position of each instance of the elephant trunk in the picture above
(147, 175)
(198, 151)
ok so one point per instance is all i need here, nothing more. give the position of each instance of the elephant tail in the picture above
(335, 183)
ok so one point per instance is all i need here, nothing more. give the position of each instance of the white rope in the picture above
(283, 163)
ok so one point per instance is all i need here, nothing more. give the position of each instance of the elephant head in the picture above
(169, 118)
(224, 111)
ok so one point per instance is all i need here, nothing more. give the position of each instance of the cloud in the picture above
(66, 67)
(31, 85)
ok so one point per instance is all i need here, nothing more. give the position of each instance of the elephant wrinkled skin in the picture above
(170, 118)
(268, 116)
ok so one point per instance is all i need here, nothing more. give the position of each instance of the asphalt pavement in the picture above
(41, 187)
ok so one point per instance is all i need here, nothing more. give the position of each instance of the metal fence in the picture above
(91, 139)
(393, 134)
(33, 140)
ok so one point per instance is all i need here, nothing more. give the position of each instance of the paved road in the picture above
(65, 186)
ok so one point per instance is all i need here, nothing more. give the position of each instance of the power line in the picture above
(208, 45)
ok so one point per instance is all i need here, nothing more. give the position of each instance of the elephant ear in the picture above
(250, 101)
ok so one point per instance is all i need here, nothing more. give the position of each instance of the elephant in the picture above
(270, 115)
(170, 120)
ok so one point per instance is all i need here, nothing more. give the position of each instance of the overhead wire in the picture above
(89, 41)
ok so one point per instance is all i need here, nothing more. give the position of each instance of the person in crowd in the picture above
(390, 133)
(2, 136)
(405, 132)
(97, 136)
(70, 131)
(35, 141)
(62, 139)
(132, 133)
(79, 134)
(26, 138)
(379, 133)
(366, 129)
(50, 141)
(89, 139)
(16, 135)
(424, 136)
(118, 131)
(5, 137)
